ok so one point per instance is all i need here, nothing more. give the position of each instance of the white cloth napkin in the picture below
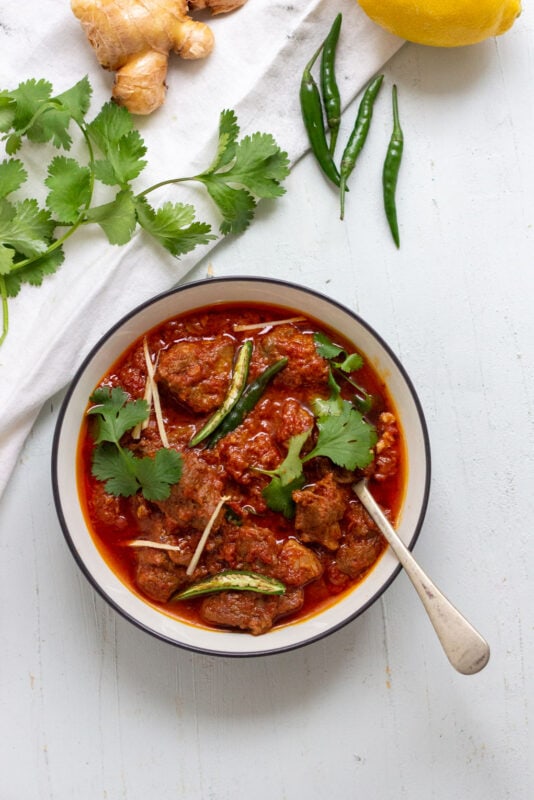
(254, 69)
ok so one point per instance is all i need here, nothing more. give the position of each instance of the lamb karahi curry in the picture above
(216, 463)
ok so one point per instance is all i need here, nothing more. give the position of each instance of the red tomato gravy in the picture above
(327, 547)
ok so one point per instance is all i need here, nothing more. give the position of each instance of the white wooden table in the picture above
(93, 708)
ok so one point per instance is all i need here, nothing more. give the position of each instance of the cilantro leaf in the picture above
(34, 272)
(351, 363)
(278, 495)
(124, 473)
(117, 218)
(346, 439)
(330, 351)
(333, 404)
(228, 133)
(117, 414)
(242, 172)
(117, 468)
(26, 227)
(156, 475)
(325, 347)
(13, 144)
(110, 124)
(12, 176)
(237, 206)
(51, 125)
(7, 111)
(70, 188)
(7, 255)
(113, 132)
(28, 97)
(76, 99)
(173, 226)
(259, 165)
(286, 478)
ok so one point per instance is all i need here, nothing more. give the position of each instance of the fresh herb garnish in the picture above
(343, 363)
(343, 436)
(123, 472)
(30, 245)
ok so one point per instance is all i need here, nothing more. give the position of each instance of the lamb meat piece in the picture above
(256, 548)
(106, 508)
(320, 508)
(247, 446)
(193, 499)
(357, 522)
(306, 367)
(249, 611)
(156, 575)
(362, 542)
(197, 373)
(292, 419)
(250, 547)
(297, 564)
(357, 555)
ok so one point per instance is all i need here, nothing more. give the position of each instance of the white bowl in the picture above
(116, 341)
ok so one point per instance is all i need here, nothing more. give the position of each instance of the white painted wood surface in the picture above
(93, 708)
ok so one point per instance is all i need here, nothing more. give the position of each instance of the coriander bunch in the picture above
(32, 235)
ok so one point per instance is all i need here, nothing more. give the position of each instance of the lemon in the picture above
(443, 23)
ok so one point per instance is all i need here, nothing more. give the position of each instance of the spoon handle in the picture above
(465, 648)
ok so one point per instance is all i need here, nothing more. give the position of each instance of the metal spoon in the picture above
(465, 648)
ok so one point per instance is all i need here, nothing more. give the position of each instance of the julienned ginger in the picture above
(133, 38)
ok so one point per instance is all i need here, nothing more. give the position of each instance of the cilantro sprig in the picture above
(32, 235)
(344, 437)
(123, 472)
(342, 364)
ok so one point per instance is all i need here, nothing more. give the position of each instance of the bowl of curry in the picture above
(204, 458)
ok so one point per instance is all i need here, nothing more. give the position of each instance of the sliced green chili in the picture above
(232, 580)
(312, 115)
(237, 384)
(247, 401)
(329, 87)
(390, 172)
(358, 136)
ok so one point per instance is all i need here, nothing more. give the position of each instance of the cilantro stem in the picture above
(160, 184)
(5, 309)
(81, 220)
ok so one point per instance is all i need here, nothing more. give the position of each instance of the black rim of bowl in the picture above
(57, 495)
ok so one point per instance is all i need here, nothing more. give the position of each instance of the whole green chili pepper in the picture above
(312, 115)
(329, 87)
(358, 136)
(390, 172)
(247, 401)
(235, 390)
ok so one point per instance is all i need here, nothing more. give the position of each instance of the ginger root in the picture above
(133, 38)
